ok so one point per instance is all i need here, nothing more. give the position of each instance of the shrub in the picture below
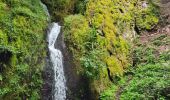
(92, 63)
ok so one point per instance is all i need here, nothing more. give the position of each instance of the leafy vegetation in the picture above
(149, 79)
(149, 82)
(98, 36)
(80, 6)
(22, 49)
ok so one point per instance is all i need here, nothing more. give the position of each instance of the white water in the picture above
(56, 59)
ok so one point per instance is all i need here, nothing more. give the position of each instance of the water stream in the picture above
(56, 59)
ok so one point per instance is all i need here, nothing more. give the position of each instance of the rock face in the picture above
(48, 74)
(165, 10)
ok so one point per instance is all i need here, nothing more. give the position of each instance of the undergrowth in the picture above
(150, 74)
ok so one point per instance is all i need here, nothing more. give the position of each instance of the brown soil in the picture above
(147, 37)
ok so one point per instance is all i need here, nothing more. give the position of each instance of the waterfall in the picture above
(56, 59)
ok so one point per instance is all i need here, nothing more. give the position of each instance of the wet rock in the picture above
(48, 81)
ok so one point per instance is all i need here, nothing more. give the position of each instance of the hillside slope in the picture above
(149, 78)
(22, 49)
(101, 35)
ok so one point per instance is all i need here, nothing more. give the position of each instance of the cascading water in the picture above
(55, 82)
(56, 59)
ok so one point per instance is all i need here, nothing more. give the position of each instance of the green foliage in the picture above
(80, 6)
(102, 17)
(144, 55)
(101, 29)
(149, 82)
(82, 41)
(3, 38)
(150, 53)
(109, 93)
(147, 17)
(153, 84)
(149, 78)
(92, 63)
(76, 31)
(98, 38)
(22, 48)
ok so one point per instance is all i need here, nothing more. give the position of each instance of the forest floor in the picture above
(148, 77)
(158, 39)
(149, 37)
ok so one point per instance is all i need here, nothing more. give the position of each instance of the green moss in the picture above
(3, 38)
(102, 15)
(22, 42)
(147, 17)
(114, 66)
